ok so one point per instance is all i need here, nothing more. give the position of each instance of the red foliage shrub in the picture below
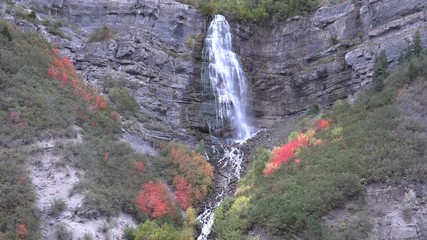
(22, 231)
(64, 71)
(154, 200)
(285, 153)
(68, 64)
(321, 124)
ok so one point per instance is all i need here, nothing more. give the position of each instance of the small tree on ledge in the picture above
(380, 71)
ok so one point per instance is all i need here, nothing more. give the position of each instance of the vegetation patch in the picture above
(124, 102)
(55, 28)
(101, 34)
(257, 11)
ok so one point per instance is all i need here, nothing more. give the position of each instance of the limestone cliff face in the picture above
(292, 64)
(326, 56)
(154, 52)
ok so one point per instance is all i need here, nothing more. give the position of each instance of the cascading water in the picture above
(224, 83)
(224, 109)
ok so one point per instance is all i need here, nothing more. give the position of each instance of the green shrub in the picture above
(257, 11)
(229, 223)
(417, 45)
(58, 206)
(415, 49)
(123, 101)
(314, 109)
(62, 233)
(101, 34)
(150, 230)
(358, 228)
(411, 72)
(5, 32)
(208, 7)
(55, 28)
(32, 15)
(112, 180)
(17, 197)
(129, 233)
(334, 40)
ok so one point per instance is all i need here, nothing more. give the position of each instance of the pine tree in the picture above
(417, 46)
(380, 71)
(411, 72)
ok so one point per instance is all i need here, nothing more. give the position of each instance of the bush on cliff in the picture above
(256, 11)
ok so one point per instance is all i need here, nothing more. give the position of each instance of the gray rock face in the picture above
(292, 64)
(154, 50)
(394, 212)
(326, 56)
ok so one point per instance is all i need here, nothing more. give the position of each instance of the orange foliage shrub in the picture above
(100, 102)
(154, 200)
(193, 175)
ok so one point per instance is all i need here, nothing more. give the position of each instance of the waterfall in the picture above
(224, 99)
(224, 84)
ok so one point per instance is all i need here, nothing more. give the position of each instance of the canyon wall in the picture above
(326, 56)
(291, 64)
(154, 52)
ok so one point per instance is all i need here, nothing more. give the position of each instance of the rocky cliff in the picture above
(153, 52)
(326, 56)
(292, 64)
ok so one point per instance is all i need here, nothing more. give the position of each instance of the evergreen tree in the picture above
(380, 71)
(411, 72)
(5, 32)
(417, 46)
